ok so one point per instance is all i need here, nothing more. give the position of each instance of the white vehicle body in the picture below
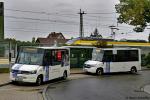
(114, 60)
(47, 62)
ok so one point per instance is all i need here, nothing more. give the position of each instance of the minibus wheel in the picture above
(133, 70)
(99, 71)
(65, 75)
(13, 82)
(39, 80)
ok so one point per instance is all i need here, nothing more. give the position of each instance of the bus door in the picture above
(47, 65)
(64, 61)
(56, 63)
(119, 60)
(107, 59)
(111, 65)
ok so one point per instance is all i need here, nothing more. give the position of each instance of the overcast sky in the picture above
(25, 19)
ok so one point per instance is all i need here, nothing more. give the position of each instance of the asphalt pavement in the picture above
(117, 86)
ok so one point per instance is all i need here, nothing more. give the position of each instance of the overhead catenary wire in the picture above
(89, 17)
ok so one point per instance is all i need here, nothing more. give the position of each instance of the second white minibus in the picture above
(40, 64)
(114, 60)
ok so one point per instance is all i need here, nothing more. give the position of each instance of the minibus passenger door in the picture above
(47, 64)
(56, 63)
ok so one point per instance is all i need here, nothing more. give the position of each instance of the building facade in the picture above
(52, 39)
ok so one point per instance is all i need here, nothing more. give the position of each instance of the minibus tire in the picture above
(13, 82)
(64, 75)
(99, 71)
(133, 70)
(39, 80)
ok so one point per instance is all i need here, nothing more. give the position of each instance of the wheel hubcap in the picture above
(99, 72)
(64, 75)
(39, 81)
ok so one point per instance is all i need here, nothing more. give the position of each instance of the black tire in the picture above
(133, 70)
(13, 82)
(99, 72)
(65, 75)
(39, 80)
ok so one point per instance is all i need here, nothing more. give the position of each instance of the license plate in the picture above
(18, 79)
(14, 75)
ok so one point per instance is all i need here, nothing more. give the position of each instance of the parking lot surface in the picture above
(118, 86)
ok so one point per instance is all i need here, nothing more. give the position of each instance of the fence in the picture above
(7, 51)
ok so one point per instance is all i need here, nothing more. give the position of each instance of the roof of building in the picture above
(52, 38)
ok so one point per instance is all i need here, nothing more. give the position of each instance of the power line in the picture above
(37, 19)
(103, 13)
(62, 14)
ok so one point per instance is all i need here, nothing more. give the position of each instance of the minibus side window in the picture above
(108, 56)
(126, 55)
(133, 55)
(47, 58)
(65, 58)
(56, 57)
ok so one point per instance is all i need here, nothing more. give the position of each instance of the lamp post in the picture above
(112, 27)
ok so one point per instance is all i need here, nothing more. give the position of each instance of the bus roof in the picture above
(119, 48)
(45, 47)
(53, 47)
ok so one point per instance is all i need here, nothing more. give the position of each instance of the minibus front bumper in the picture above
(30, 78)
(90, 70)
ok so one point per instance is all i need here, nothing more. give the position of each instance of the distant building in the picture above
(52, 39)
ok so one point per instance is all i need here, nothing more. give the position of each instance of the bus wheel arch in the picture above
(39, 80)
(99, 71)
(133, 70)
(65, 74)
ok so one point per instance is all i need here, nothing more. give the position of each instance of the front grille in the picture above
(87, 66)
(20, 72)
(25, 72)
(15, 71)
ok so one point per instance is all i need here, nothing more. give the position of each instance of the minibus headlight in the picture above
(88, 66)
(33, 72)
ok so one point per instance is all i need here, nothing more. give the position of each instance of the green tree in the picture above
(134, 12)
(33, 40)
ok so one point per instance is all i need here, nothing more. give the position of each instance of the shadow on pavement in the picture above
(34, 85)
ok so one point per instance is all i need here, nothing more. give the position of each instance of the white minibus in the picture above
(40, 64)
(108, 60)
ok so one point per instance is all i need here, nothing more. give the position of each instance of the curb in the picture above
(44, 91)
(145, 69)
(77, 73)
(5, 84)
(146, 90)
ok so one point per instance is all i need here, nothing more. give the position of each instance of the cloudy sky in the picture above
(25, 19)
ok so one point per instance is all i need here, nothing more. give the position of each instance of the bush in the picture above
(148, 66)
(145, 60)
(4, 70)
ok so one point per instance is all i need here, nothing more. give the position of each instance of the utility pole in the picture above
(81, 23)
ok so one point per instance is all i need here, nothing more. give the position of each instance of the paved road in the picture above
(21, 92)
(120, 86)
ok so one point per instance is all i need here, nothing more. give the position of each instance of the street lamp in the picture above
(112, 27)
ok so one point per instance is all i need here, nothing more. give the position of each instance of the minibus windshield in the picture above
(29, 57)
(97, 56)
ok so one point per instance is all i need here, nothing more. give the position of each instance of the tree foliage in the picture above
(134, 12)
